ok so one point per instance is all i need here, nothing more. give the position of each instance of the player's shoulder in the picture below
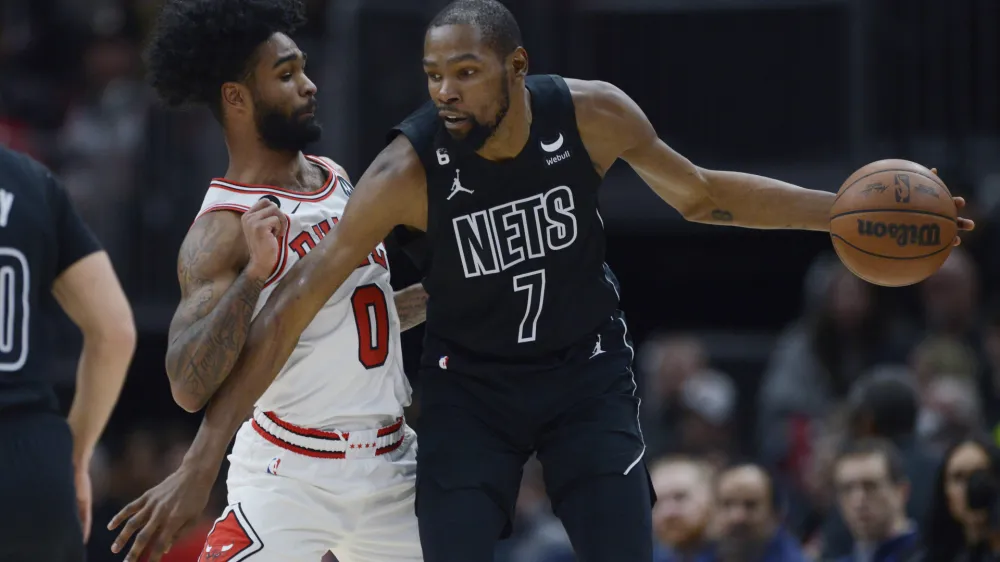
(24, 171)
(419, 128)
(30, 180)
(607, 116)
(596, 99)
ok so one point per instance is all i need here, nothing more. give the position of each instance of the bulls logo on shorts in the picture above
(231, 539)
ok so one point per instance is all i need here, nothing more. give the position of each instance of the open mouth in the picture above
(451, 119)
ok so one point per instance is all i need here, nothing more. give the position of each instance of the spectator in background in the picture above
(688, 407)
(872, 491)
(666, 362)
(840, 334)
(683, 510)
(749, 512)
(951, 411)
(951, 306)
(991, 345)
(953, 532)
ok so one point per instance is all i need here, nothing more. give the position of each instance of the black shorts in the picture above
(39, 520)
(581, 419)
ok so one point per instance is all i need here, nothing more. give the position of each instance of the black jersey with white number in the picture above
(40, 237)
(516, 271)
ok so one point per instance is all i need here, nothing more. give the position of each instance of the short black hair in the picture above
(498, 26)
(889, 400)
(197, 45)
(777, 495)
(875, 446)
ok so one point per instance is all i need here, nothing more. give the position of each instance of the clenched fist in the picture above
(264, 227)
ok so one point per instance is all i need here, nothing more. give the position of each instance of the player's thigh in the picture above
(40, 521)
(272, 519)
(459, 524)
(597, 434)
(468, 478)
(387, 528)
(608, 517)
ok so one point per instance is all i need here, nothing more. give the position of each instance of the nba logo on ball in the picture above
(893, 223)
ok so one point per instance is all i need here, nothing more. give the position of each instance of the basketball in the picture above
(893, 223)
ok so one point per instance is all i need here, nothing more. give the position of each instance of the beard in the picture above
(286, 133)
(481, 132)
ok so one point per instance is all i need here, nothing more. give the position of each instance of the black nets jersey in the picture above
(515, 267)
(40, 237)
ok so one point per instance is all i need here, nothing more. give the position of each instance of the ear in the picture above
(519, 60)
(235, 96)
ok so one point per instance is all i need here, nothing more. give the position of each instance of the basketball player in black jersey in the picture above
(526, 350)
(50, 259)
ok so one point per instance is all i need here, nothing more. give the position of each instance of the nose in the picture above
(447, 93)
(308, 88)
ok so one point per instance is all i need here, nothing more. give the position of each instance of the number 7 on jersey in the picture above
(532, 283)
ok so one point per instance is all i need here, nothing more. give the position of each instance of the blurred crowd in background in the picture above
(847, 426)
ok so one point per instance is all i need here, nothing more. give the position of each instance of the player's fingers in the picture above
(270, 224)
(261, 205)
(145, 536)
(957, 241)
(86, 519)
(127, 512)
(959, 202)
(175, 527)
(966, 224)
(934, 171)
(283, 228)
(134, 524)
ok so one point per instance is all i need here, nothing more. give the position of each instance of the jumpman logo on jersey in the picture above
(597, 348)
(456, 186)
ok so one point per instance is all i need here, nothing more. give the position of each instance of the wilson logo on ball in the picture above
(905, 234)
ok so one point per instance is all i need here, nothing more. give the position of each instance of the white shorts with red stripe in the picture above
(296, 493)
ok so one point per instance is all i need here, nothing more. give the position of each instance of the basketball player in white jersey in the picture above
(326, 461)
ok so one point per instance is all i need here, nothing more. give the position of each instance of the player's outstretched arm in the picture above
(411, 305)
(392, 192)
(613, 126)
(220, 284)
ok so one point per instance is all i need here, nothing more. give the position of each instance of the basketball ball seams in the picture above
(904, 211)
(937, 181)
(883, 256)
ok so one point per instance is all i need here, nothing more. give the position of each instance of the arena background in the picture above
(805, 91)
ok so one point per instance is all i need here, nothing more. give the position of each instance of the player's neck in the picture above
(255, 164)
(514, 131)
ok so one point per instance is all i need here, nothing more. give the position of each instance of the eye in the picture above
(286, 77)
(433, 77)
(465, 73)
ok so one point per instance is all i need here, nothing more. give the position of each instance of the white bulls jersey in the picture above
(347, 365)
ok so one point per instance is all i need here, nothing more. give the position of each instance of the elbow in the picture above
(182, 393)
(188, 402)
(114, 337)
(701, 206)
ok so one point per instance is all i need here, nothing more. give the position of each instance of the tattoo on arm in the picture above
(411, 305)
(212, 323)
(721, 215)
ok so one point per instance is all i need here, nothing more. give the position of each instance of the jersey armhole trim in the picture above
(238, 209)
(560, 84)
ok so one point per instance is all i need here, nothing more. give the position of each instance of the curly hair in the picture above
(197, 45)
